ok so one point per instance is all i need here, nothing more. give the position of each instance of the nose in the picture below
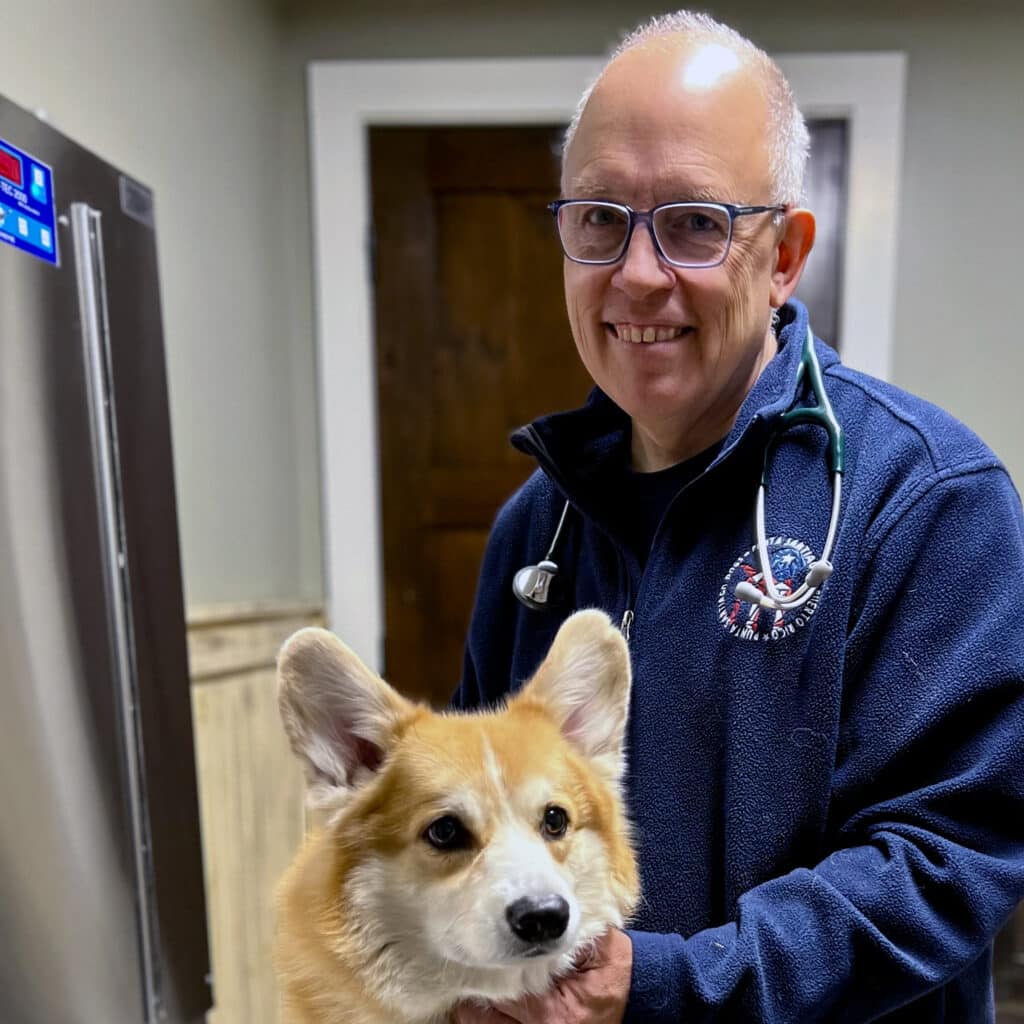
(538, 920)
(641, 270)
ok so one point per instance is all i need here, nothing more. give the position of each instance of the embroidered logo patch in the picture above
(790, 560)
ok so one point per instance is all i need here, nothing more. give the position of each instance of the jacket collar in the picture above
(577, 449)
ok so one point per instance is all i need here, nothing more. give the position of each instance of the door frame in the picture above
(347, 97)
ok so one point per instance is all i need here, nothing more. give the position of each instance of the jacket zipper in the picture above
(627, 624)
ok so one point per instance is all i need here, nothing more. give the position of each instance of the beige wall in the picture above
(959, 264)
(184, 95)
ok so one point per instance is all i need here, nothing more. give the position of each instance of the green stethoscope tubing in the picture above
(819, 414)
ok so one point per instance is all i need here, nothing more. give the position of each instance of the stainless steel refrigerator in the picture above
(102, 910)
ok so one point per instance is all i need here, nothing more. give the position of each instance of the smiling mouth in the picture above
(647, 334)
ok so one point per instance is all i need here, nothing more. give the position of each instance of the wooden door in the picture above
(472, 342)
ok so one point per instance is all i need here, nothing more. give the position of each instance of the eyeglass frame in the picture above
(635, 217)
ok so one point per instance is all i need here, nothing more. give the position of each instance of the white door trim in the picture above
(345, 97)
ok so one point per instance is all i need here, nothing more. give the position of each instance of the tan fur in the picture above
(372, 918)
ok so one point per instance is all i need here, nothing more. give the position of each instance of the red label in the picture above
(10, 167)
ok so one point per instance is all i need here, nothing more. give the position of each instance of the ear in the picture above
(791, 252)
(340, 717)
(584, 683)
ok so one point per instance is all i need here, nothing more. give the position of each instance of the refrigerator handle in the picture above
(87, 237)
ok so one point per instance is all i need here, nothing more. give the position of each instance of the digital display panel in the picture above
(10, 167)
(28, 212)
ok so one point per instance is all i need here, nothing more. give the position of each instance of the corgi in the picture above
(465, 855)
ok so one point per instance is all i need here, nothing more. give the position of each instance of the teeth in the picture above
(645, 335)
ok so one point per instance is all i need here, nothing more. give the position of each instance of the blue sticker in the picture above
(27, 210)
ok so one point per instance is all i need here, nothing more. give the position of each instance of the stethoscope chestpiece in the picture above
(532, 584)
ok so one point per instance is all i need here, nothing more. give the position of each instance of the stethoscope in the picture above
(532, 583)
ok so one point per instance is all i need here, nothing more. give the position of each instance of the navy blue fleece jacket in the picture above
(828, 804)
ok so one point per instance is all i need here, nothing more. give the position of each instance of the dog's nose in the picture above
(538, 920)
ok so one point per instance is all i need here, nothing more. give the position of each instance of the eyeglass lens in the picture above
(688, 233)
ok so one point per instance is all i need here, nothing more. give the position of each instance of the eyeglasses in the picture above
(684, 234)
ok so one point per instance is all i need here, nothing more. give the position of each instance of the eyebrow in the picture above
(703, 195)
(595, 190)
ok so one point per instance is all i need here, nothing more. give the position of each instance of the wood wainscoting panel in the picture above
(230, 639)
(251, 795)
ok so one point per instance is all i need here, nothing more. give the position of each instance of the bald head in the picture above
(668, 90)
(689, 58)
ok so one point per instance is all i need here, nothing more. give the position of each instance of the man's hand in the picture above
(595, 993)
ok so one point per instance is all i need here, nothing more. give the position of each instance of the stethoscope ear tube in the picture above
(820, 414)
(817, 572)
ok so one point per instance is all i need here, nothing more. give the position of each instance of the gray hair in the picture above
(788, 140)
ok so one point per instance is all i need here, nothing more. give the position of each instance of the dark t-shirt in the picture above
(641, 499)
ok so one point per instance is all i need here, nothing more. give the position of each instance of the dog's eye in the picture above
(448, 833)
(556, 821)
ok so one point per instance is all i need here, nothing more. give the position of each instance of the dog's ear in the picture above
(584, 682)
(339, 715)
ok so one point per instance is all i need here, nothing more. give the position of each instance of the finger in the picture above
(586, 957)
(593, 953)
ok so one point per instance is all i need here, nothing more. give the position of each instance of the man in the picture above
(827, 800)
